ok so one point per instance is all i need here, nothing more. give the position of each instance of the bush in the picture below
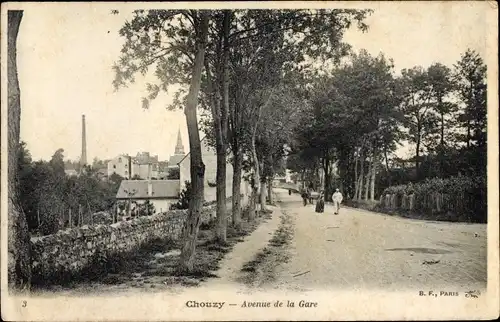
(183, 202)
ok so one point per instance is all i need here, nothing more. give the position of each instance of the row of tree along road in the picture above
(250, 80)
(363, 110)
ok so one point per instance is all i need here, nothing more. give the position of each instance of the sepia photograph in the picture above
(249, 161)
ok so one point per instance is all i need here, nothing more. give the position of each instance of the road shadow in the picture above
(421, 250)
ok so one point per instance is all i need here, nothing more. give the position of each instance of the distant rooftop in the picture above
(161, 189)
(175, 159)
(204, 146)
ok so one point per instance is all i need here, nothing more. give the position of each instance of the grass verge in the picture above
(262, 269)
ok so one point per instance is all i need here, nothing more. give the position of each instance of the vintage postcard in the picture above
(194, 161)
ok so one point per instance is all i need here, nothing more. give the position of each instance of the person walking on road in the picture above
(337, 200)
(304, 196)
(320, 205)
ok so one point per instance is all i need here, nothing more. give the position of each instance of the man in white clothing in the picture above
(337, 200)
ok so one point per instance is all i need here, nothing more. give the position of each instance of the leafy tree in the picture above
(470, 79)
(152, 39)
(368, 86)
(217, 92)
(19, 263)
(47, 197)
(439, 77)
(266, 48)
(417, 106)
(115, 178)
(442, 86)
(57, 162)
(353, 115)
(98, 164)
(174, 43)
(275, 131)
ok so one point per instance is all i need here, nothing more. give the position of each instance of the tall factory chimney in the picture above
(83, 159)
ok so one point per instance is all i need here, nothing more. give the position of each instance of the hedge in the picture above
(457, 198)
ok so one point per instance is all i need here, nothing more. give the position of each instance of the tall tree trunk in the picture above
(468, 133)
(367, 181)
(192, 223)
(270, 190)
(326, 169)
(222, 137)
(263, 191)
(361, 175)
(221, 194)
(234, 127)
(356, 186)
(220, 147)
(19, 248)
(417, 154)
(255, 179)
(468, 114)
(317, 179)
(442, 129)
(441, 148)
(387, 165)
(236, 201)
(373, 175)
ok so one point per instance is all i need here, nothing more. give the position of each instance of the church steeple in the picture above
(179, 147)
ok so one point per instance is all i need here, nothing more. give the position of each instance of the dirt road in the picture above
(364, 250)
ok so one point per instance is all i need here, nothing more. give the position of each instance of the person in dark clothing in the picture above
(304, 196)
(320, 205)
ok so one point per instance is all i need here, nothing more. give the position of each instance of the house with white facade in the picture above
(162, 193)
(121, 165)
(143, 166)
(210, 160)
(144, 171)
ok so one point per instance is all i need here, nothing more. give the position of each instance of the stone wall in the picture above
(71, 251)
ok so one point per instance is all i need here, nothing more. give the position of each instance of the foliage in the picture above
(143, 209)
(358, 115)
(470, 81)
(420, 121)
(184, 197)
(174, 174)
(451, 185)
(353, 108)
(48, 195)
(464, 196)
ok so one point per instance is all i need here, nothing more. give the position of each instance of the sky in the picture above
(66, 72)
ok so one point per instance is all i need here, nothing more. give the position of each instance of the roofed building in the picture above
(161, 193)
(121, 165)
(179, 153)
(210, 160)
